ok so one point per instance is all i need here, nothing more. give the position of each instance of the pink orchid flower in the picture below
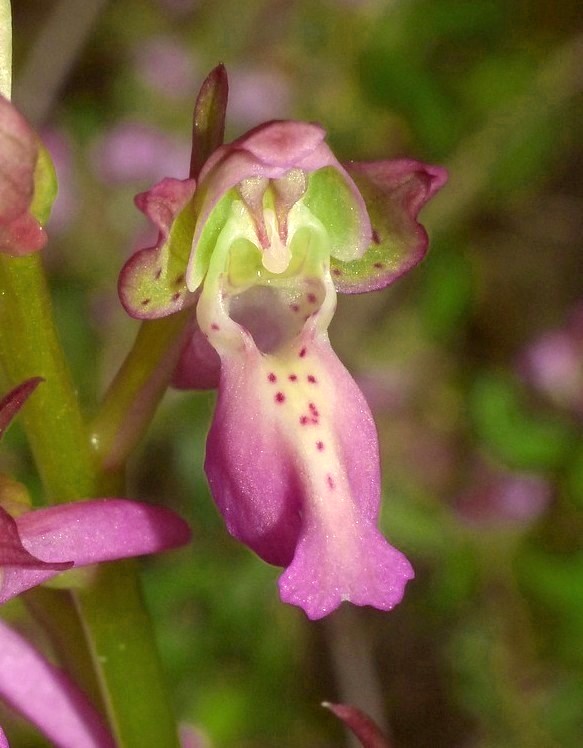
(260, 239)
(27, 184)
(38, 544)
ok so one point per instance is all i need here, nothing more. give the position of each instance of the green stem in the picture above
(136, 391)
(29, 347)
(5, 49)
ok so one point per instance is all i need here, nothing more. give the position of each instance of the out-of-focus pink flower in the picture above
(553, 364)
(258, 95)
(163, 64)
(133, 152)
(503, 499)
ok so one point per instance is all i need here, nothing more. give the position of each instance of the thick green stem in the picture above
(29, 347)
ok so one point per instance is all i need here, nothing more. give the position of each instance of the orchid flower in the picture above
(28, 184)
(36, 545)
(260, 239)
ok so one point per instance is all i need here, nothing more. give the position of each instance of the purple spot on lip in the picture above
(271, 377)
(176, 296)
(378, 265)
(330, 481)
(302, 352)
(214, 326)
(179, 279)
(158, 273)
(145, 302)
(336, 271)
(294, 307)
(311, 379)
(279, 397)
(312, 298)
(319, 446)
(293, 378)
(304, 420)
(375, 236)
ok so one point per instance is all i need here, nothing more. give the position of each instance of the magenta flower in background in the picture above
(27, 184)
(133, 152)
(503, 499)
(165, 65)
(275, 227)
(553, 364)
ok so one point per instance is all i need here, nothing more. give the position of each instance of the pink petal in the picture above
(199, 365)
(13, 553)
(14, 400)
(89, 532)
(45, 696)
(3, 741)
(394, 193)
(292, 461)
(20, 232)
(361, 725)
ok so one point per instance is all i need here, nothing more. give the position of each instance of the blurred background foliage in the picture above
(473, 364)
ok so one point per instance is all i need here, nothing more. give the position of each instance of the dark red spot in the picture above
(303, 352)
(145, 302)
(214, 326)
(378, 265)
(330, 481)
(294, 307)
(313, 409)
(271, 376)
(336, 271)
(304, 420)
(176, 296)
(311, 379)
(375, 236)
(293, 378)
(179, 279)
(279, 397)
(158, 273)
(312, 298)
(320, 446)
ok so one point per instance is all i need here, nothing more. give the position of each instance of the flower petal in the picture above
(394, 193)
(3, 741)
(47, 697)
(13, 552)
(199, 365)
(292, 462)
(361, 725)
(270, 151)
(27, 184)
(209, 118)
(14, 400)
(152, 282)
(89, 532)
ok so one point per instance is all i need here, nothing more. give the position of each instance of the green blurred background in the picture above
(473, 364)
